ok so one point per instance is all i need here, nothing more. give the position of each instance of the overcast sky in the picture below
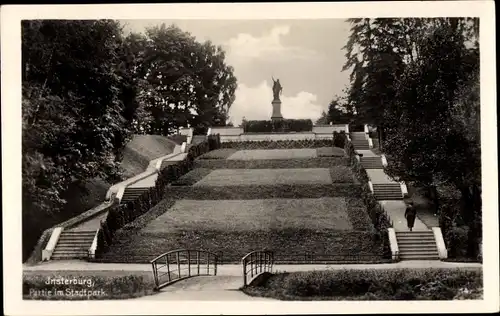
(306, 55)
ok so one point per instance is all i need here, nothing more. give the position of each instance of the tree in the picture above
(375, 63)
(338, 112)
(78, 100)
(428, 140)
(323, 119)
(417, 81)
(185, 82)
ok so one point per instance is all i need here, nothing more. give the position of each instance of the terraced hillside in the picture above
(80, 198)
(301, 203)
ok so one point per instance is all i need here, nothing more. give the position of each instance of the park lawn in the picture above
(291, 245)
(226, 177)
(222, 153)
(256, 154)
(223, 177)
(337, 226)
(192, 177)
(250, 215)
(106, 285)
(330, 152)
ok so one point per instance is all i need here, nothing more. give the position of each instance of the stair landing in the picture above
(396, 211)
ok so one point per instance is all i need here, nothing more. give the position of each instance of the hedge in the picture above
(339, 139)
(122, 214)
(320, 162)
(278, 144)
(379, 284)
(379, 219)
(279, 126)
(248, 192)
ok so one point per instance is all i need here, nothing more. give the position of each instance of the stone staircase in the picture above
(417, 245)
(198, 139)
(372, 163)
(73, 245)
(387, 191)
(132, 193)
(359, 141)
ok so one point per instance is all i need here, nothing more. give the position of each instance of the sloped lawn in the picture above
(293, 228)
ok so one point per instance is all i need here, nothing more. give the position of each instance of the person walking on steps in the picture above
(410, 215)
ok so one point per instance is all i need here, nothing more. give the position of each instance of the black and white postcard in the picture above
(253, 158)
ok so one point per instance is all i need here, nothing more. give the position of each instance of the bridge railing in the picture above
(255, 263)
(180, 264)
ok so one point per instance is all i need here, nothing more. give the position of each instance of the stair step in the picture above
(410, 257)
(73, 245)
(416, 236)
(70, 255)
(76, 239)
(411, 242)
(417, 249)
(418, 245)
(417, 232)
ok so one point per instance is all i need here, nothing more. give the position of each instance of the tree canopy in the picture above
(88, 86)
(417, 80)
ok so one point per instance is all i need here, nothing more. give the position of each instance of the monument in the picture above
(277, 89)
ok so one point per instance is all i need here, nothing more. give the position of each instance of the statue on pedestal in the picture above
(277, 89)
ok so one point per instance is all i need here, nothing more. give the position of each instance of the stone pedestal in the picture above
(276, 111)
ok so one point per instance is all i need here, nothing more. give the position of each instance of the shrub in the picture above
(376, 212)
(387, 284)
(323, 162)
(339, 139)
(279, 144)
(456, 241)
(280, 126)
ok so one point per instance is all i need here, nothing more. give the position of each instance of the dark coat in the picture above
(410, 215)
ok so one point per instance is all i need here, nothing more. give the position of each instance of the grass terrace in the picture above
(298, 213)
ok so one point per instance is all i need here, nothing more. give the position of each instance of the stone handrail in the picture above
(116, 191)
(393, 242)
(188, 132)
(93, 247)
(404, 189)
(384, 160)
(51, 245)
(370, 185)
(441, 246)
